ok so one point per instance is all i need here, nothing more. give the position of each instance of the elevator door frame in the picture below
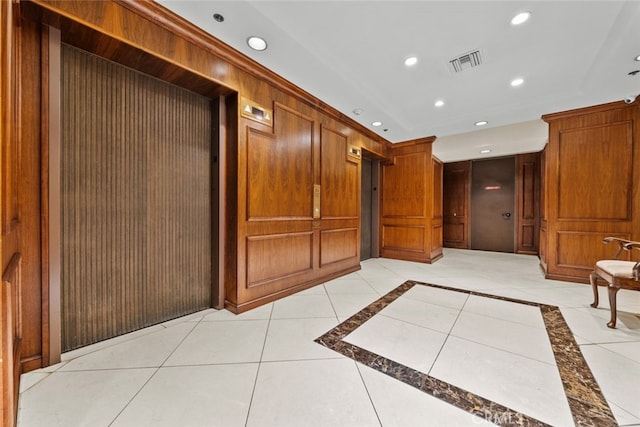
(374, 212)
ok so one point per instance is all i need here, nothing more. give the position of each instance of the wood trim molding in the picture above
(162, 17)
(588, 110)
(52, 200)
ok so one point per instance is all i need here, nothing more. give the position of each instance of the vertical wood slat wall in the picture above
(136, 206)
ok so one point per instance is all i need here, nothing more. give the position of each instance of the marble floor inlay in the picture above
(585, 400)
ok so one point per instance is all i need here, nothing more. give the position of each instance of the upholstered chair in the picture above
(618, 275)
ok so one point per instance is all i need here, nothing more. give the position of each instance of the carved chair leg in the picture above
(612, 303)
(593, 278)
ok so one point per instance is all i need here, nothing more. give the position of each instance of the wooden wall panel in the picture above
(339, 178)
(306, 149)
(136, 228)
(408, 209)
(275, 256)
(586, 249)
(404, 238)
(404, 187)
(338, 245)
(437, 213)
(280, 168)
(592, 177)
(543, 242)
(456, 199)
(601, 156)
(10, 212)
(10, 337)
(528, 199)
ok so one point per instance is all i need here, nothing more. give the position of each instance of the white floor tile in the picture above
(259, 313)
(505, 310)
(193, 396)
(69, 355)
(384, 286)
(437, 296)
(402, 342)
(292, 339)
(349, 286)
(436, 317)
(526, 341)
(311, 393)
(303, 306)
(30, 379)
(400, 405)
(616, 375)
(148, 351)
(624, 418)
(590, 324)
(314, 290)
(630, 350)
(221, 342)
(72, 399)
(346, 305)
(522, 384)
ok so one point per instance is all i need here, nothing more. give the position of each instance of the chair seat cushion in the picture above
(622, 269)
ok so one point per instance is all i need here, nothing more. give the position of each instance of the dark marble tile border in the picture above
(588, 405)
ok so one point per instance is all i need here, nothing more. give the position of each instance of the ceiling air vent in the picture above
(466, 61)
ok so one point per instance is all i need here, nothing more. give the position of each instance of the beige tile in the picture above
(147, 351)
(405, 343)
(221, 342)
(522, 384)
(293, 339)
(303, 306)
(311, 393)
(193, 396)
(88, 398)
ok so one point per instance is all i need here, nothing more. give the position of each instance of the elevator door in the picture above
(369, 209)
(136, 201)
(493, 204)
(365, 211)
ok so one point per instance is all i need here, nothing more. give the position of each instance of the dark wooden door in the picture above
(455, 194)
(493, 203)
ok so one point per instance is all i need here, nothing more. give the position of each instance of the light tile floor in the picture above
(263, 368)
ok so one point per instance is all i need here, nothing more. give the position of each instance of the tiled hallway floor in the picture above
(264, 368)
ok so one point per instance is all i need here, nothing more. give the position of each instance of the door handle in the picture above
(506, 215)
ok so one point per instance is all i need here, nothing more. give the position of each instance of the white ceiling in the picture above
(350, 54)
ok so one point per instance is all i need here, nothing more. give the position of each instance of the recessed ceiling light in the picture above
(257, 43)
(218, 18)
(481, 123)
(637, 58)
(517, 82)
(376, 124)
(411, 61)
(358, 111)
(439, 103)
(520, 18)
(485, 151)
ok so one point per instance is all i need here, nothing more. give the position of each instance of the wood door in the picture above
(493, 204)
(455, 195)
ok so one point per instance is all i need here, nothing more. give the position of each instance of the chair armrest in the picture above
(631, 245)
(625, 244)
